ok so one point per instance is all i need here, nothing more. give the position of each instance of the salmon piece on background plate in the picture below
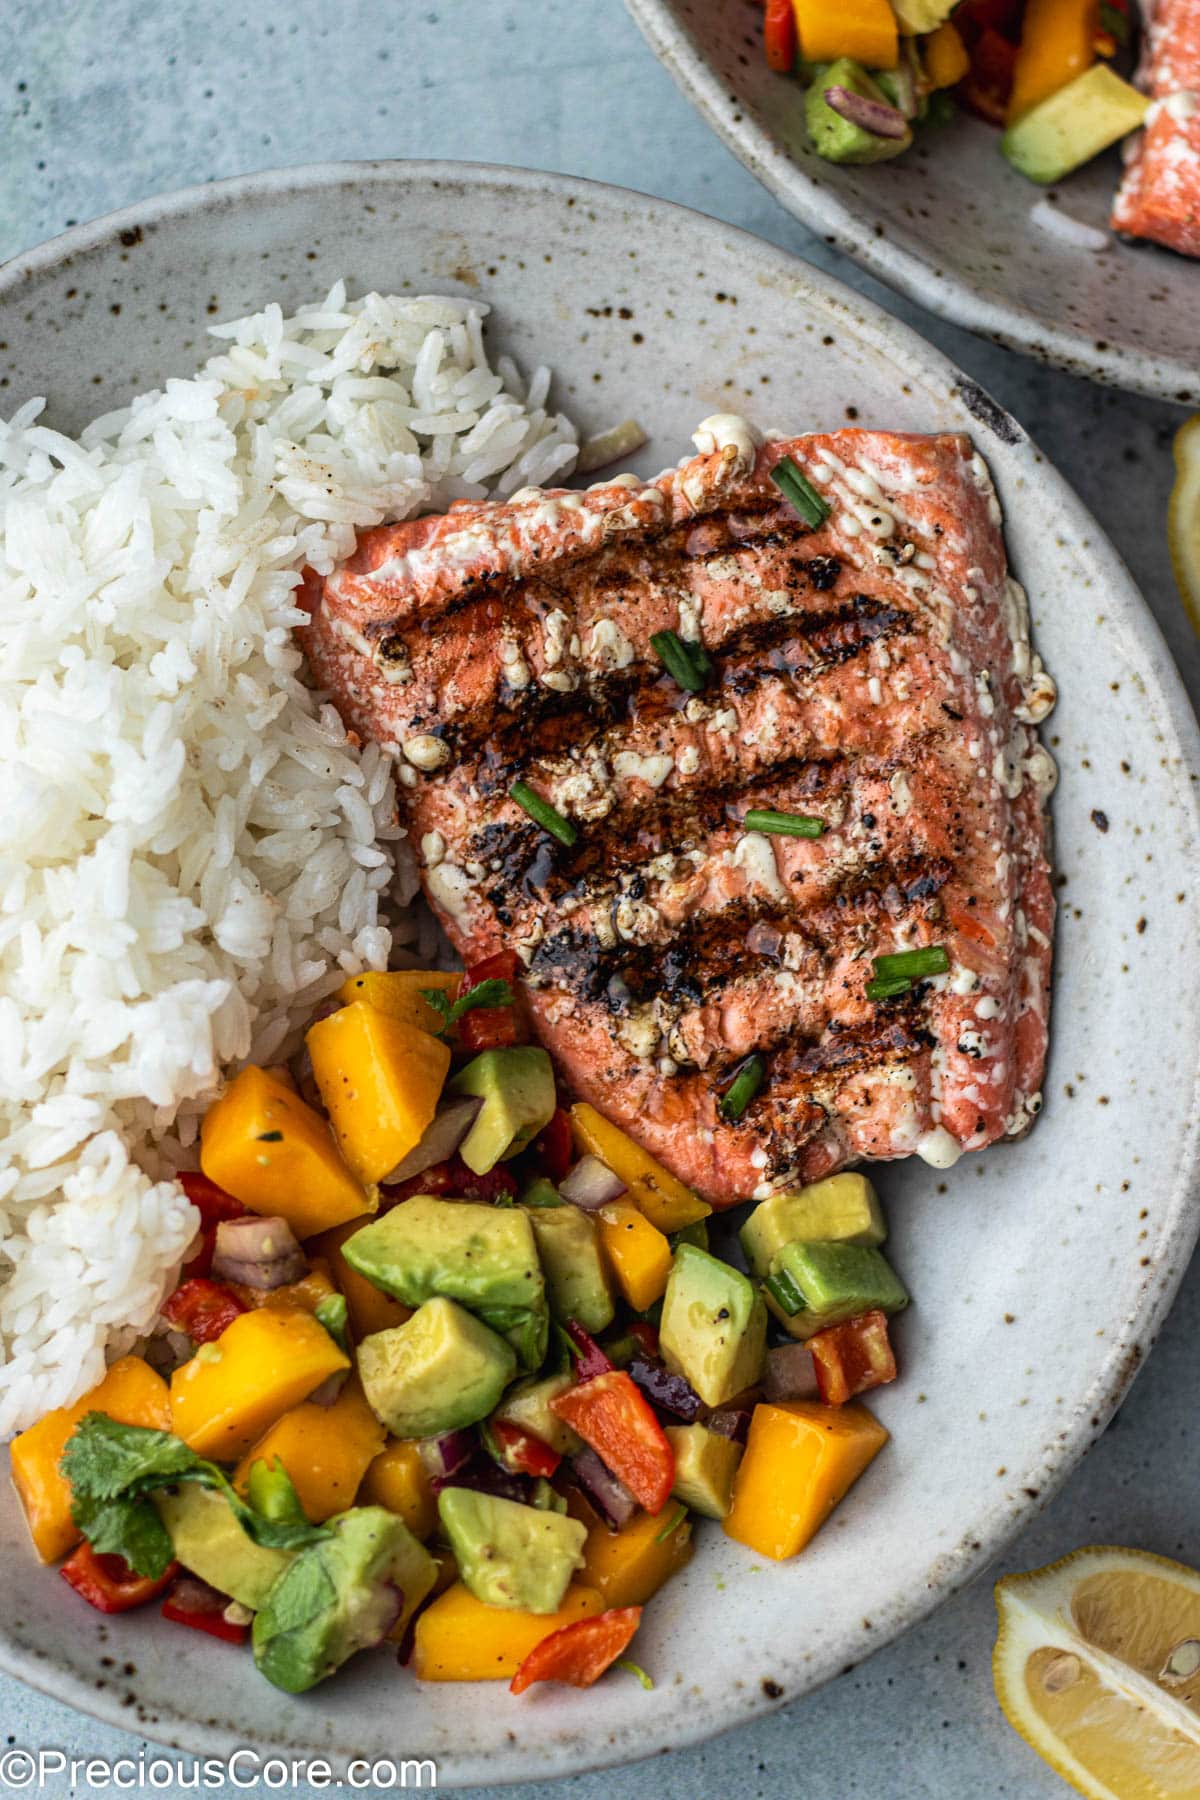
(1159, 197)
(873, 672)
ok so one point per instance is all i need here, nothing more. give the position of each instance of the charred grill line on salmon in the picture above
(875, 672)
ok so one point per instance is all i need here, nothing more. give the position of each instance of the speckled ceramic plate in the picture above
(949, 224)
(1040, 1270)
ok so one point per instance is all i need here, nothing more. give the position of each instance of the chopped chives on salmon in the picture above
(912, 964)
(743, 1087)
(688, 663)
(543, 814)
(800, 493)
(783, 824)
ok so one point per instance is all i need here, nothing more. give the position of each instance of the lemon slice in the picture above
(1097, 1665)
(1183, 517)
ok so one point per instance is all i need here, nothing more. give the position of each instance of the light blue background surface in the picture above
(110, 101)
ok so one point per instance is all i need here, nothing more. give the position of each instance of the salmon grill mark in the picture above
(871, 673)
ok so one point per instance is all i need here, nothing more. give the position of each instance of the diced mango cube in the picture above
(665, 1201)
(863, 29)
(458, 1638)
(381, 1080)
(264, 1363)
(628, 1566)
(638, 1253)
(398, 993)
(801, 1459)
(263, 1144)
(132, 1393)
(398, 1480)
(325, 1449)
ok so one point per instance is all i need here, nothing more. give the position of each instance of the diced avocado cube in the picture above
(508, 1554)
(834, 1282)
(440, 1370)
(529, 1407)
(340, 1595)
(1074, 124)
(577, 1279)
(842, 1208)
(713, 1327)
(705, 1465)
(207, 1539)
(517, 1090)
(485, 1257)
(840, 140)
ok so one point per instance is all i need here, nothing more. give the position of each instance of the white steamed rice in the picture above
(192, 854)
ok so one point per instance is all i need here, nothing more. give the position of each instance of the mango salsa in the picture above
(266, 1362)
(381, 1080)
(263, 1144)
(133, 1394)
(801, 1459)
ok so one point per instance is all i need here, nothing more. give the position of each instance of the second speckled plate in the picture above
(949, 224)
(1040, 1270)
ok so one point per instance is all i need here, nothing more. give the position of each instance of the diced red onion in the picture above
(260, 1253)
(387, 1604)
(790, 1374)
(875, 116)
(449, 1127)
(591, 1185)
(662, 1387)
(592, 1360)
(764, 939)
(330, 1388)
(484, 1476)
(444, 1456)
(730, 1422)
(610, 1497)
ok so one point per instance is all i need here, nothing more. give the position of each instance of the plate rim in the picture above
(1005, 440)
(952, 297)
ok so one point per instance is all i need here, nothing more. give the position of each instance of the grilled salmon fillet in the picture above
(874, 672)
(1159, 197)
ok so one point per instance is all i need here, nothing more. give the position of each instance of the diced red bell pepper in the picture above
(192, 1602)
(214, 1206)
(579, 1653)
(848, 1359)
(453, 1177)
(202, 1309)
(591, 1360)
(491, 1027)
(779, 35)
(989, 85)
(611, 1414)
(524, 1453)
(554, 1146)
(108, 1583)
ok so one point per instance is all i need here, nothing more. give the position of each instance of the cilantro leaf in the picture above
(113, 1468)
(484, 993)
(131, 1529)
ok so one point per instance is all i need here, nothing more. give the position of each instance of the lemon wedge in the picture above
(1183, 517)
(1097, 1665)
